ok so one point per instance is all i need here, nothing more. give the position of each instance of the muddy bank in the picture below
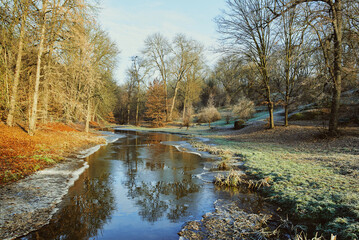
(29, 203)
(230, 221)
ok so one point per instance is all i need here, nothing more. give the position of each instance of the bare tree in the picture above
(157, 54)
(326, 19)
(24, 5)
(138, 73)
(187, 54)
(33, 115)
(246, 30)
(292, 36)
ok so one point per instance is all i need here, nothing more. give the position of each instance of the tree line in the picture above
(277, 53)
(56, 63)
(178, 65)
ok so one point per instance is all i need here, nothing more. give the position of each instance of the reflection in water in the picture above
(150, 197)
(85, 214)
(161, 196)
(136, 188)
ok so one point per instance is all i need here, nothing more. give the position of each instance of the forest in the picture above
(56, 63)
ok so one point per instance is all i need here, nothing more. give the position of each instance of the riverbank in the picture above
(313, 177)
(51, 161)
(21, 155)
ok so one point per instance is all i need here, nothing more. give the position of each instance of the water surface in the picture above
(137, 188)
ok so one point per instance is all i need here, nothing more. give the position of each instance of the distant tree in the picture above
(228, 72)
(156, 103)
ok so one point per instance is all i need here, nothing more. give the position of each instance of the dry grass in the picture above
(235, 179)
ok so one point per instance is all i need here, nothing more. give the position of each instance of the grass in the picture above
(309, 115)
(308, 191)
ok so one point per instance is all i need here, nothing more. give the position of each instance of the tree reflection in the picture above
(157, 199)
(86, 214)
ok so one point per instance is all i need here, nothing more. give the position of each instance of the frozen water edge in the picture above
(184, 146)
(30, 203)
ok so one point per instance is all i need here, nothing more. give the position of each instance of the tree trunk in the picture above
(337, 86)
(47, 86)
(128, 114)
(286, 103)
(286, 110)
(93, 118)
(33, 116)
(173, 102)
(270, 108)
(10, 117)
(88, 116)
(6, 79)
(271, 118)
(287, 83)
(166, 98)
(184, 111)
(137, 103)
(137, 111)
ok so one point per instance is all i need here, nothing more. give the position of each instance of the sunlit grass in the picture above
(309, 191)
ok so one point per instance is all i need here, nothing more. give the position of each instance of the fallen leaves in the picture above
(22, 155)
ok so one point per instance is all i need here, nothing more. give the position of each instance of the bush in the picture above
(239, 124)
(208, 115)
(228, 117)
(244, 109)
(187, 120)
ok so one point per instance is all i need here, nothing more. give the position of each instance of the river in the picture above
(142, 186)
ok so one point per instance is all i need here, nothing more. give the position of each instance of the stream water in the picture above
(141, 186)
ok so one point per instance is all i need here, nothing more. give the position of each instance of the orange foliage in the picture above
(21, 154)
(94, 124)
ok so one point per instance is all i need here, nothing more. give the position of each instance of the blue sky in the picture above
(129, 22)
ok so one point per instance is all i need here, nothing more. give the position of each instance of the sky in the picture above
(129, 22)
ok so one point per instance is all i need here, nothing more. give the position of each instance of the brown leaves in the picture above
(21, 154)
